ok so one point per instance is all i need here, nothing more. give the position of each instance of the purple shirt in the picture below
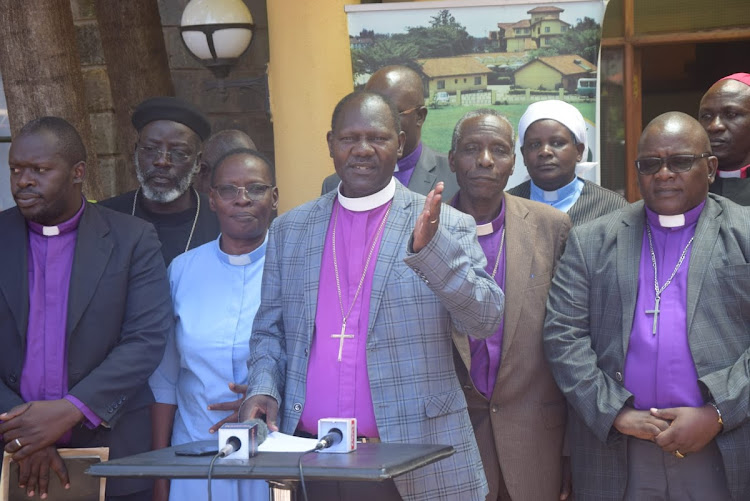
(342, 389)
(487, 353)
(406, 165)
(50, 262)
(659, 369)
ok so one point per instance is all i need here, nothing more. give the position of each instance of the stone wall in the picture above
(237, 108)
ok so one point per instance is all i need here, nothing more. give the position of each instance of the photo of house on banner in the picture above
(485, 54)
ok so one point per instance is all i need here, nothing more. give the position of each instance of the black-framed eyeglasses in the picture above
(254, 192)
(675, 163)
(410, 110)
(174, 157)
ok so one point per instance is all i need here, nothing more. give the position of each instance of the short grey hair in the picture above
(482, 112)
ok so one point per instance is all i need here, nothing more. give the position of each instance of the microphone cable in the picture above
(301, 473)
(210, 472)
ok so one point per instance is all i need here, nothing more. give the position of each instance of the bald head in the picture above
(725, 115)
(215, 147)
(404, 87)
(673, 124)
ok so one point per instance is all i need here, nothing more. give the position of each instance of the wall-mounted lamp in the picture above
(218, 32)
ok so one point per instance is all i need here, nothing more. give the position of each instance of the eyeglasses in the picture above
(174, 157)
(675, 163)
(254, 192)
(410, 110)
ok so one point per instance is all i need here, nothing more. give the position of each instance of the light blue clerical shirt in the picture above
(561, 199)
(215, 296)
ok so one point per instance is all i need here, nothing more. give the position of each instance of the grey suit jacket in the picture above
(594, 201)
(415, 301)
(520, 429)
(431, 168)
(119, 315)
(588, 324)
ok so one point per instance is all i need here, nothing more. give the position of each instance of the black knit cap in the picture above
(174, 109)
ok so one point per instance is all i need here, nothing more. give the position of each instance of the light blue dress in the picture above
(215, 298)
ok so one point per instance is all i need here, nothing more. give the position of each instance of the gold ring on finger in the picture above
(679, 454)
(18, 443)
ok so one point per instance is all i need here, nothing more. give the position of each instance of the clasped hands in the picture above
(683, 429)
(30, 431)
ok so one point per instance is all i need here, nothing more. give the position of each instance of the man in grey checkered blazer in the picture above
(600, 313)
(419, 291)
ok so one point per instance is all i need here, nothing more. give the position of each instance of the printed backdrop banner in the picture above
(486, 54)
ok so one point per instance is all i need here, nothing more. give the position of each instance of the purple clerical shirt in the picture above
(659, 369)
(406, 165)
(342, 389)
(487, 353)
(50, 261)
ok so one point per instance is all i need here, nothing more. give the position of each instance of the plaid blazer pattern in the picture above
(594, 201)
(416, 299)
(587, 328)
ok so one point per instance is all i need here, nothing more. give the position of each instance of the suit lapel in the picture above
(317, 231)
(395, 236)
(706, 236)
(93, 250)
(423, 179)
(14, 263)
(629, 241)
(519, 239)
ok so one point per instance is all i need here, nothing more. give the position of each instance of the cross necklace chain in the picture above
(195, 219)
(658, 290)
(499, 253)
(344, 316)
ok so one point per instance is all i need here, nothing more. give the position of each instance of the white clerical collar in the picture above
(485, 229)
(50, 231)
(368, 202)
(674, 221)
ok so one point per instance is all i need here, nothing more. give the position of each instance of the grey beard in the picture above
(169, 195)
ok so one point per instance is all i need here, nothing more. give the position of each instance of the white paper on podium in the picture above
(280, 442)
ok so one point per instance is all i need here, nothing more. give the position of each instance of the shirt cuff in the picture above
(92, 420)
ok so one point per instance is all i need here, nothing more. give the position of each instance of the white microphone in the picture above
(241, 440)
(338, 435)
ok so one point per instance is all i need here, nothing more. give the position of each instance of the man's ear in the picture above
(79, 172)
(421, 116)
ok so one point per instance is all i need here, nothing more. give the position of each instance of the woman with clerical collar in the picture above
(216, 293)
(553, 141)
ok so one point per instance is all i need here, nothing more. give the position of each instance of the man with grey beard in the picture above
(167, 157)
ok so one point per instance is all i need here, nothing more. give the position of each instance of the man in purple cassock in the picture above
(84, 315)
(361, 290)
(647, 333)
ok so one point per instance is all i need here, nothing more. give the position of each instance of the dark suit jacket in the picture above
(520, 429)
(588, 324)
(594, 201)
(735, 189)
(431, 168)
(119, 315)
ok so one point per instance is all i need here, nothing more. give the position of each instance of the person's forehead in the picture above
(547, 126)
(369, 111)
(41, 144)
(682, 138)
(727, 92)
(486, 127)
(167, 128)
(243, 164)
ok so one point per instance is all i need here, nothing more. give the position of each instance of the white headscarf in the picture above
(559, 111)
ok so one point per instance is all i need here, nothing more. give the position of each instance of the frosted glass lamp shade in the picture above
(217, 32)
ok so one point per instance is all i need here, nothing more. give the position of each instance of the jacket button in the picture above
(307, 351)
(467, 387)
(618, 376)
(12, 378)
(297, 407)
(495, 408)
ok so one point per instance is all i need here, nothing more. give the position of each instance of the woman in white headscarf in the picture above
(553, 141)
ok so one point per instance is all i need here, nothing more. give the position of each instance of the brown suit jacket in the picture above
(520, 430)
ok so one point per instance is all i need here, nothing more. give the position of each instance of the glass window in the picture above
(546, 29)
(441, 84)
(477, 80)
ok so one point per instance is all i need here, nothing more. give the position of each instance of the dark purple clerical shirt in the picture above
(405, 166)
(486, 353)
(659, 368)
(50, 261)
